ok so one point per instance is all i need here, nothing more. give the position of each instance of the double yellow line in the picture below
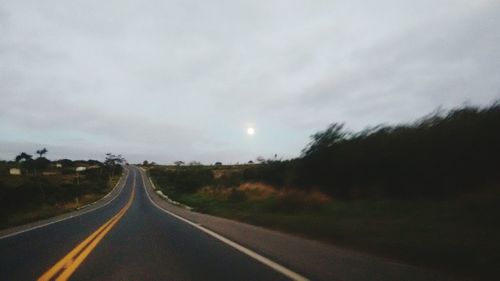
(63, 269)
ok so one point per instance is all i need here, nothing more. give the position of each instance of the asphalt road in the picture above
(127, 239)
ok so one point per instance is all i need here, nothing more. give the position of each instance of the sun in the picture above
(250, 131)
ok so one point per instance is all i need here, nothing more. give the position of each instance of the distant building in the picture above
(81, 169)
(218, 163)
(58, 165)
(15, 171)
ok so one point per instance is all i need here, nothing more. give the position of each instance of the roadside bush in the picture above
(230, 179)
(183, 179)
(237, 195)
(277, 173)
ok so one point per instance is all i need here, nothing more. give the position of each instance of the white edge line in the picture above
(281, 269)
(72, 216)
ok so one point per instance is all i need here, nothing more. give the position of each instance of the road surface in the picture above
(127, 239)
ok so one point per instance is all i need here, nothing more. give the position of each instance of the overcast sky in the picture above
(182, 80)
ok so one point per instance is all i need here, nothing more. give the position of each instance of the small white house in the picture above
(81, 169)
(58, 165)
(15, 171)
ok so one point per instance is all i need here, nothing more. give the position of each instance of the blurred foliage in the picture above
(440, 155)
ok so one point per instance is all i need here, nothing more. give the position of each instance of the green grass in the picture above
(460, 235)
(27, 216)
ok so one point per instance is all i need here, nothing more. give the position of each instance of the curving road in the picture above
(127, 239)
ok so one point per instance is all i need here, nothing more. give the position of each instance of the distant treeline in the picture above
(440, 155)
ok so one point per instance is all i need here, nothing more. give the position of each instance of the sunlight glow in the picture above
(250, 131)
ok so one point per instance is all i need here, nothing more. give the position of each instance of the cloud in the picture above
(180, 80)
(445, 62)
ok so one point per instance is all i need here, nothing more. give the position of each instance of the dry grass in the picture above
(256, 191)
(218, 173)
(313, 197)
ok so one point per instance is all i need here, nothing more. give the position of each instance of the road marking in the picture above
(72, 216)
(65, 267)
(283, 270)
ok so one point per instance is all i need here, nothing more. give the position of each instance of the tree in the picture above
(333, 135)
(179, 163)
(145, 163)
(41, 152)
(23, 157)
(24, 161)
(112, 161)
(40, 163)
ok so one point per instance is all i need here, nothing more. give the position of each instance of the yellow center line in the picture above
(68, 264)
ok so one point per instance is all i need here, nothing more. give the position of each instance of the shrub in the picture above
(183, 179)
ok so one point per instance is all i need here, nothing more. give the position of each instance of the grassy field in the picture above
(24, 199)
(460, 235)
